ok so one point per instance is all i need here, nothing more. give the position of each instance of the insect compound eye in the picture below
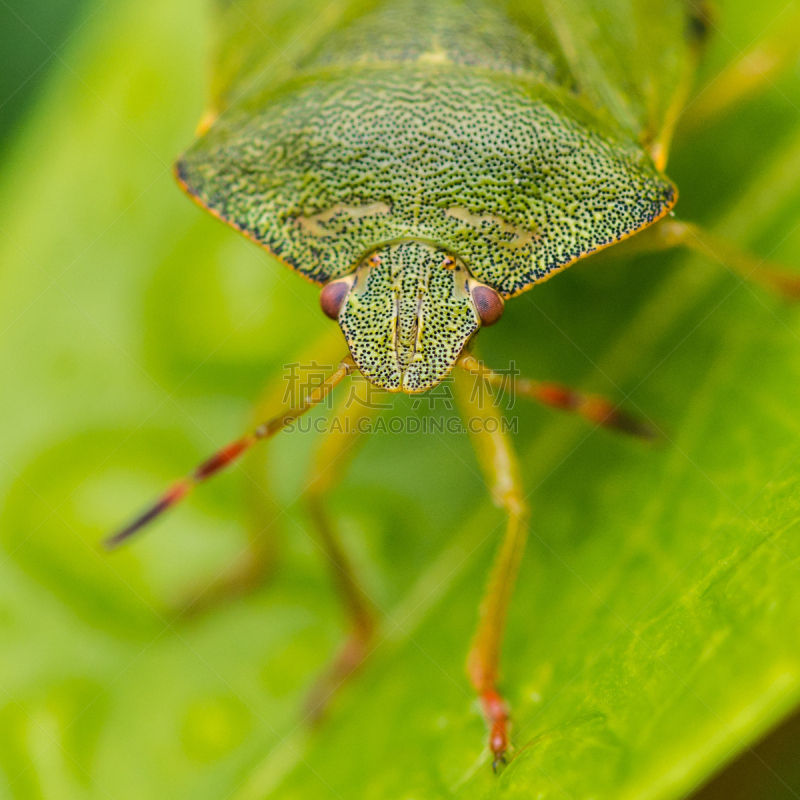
(333, 295)
(488, 302)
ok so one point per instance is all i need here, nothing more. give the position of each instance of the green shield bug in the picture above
(425, 162)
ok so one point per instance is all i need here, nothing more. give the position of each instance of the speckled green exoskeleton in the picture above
(423, 162)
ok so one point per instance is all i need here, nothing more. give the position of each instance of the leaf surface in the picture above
(653, 630)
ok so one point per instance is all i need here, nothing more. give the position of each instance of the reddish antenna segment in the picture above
(228, 455)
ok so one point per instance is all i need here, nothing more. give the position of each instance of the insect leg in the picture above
(253, 564)
(229, 454)
(597, 410)
(754, 71)
(337, 449)
(499, 464)
(670, 232)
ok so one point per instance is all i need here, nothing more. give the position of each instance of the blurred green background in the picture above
(654, 633)
(31, 34)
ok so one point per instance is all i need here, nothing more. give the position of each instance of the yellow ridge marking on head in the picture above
(314, 225)
(521, 235)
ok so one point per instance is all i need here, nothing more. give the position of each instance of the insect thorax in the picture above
(426, 122)
(415, 123)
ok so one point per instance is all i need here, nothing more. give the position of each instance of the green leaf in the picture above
(653, 631)
(31, 33)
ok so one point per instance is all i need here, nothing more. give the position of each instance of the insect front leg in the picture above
(337, 449)
(501, 470)
(254, 563)
(593, 408)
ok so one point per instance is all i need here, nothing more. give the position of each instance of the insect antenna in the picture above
(593, 408)
(227, 455)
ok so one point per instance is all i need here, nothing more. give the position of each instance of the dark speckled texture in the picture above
(408, 316)
(409, 125)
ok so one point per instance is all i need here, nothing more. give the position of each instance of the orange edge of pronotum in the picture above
(667, 208)
(231, 224)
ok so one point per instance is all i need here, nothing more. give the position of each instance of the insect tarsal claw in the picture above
(498, 762)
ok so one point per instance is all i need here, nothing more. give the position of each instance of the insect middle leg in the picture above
(669, 233)
(754, 70)
(336, 450)
(499, 464)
